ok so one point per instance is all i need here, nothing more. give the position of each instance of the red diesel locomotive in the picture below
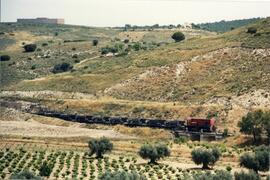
(199, 124)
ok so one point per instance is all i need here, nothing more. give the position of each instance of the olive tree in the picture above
(99, 147)
(178, 36)
(154, 152)
(205, 156)
(257, 161)
(254, 123)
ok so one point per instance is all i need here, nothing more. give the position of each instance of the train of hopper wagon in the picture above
(191, 124)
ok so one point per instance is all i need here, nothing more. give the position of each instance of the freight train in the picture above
(190, 124)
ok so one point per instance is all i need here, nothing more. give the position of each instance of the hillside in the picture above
(224, 26)
(223, 74)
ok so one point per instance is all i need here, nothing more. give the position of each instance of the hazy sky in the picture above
(139, 12)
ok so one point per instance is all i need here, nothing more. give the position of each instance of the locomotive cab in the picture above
(198, 124)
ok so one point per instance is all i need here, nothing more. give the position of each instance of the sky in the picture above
(135, 12)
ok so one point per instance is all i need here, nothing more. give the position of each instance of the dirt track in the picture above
(36, 129)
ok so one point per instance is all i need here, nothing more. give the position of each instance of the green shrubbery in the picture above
(251, 30)
(5, 58)
(178, 36)
(25, 175)
(30, 47)
(63, 67)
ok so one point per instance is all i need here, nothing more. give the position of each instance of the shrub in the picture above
(95, 42)
(45, 170)
(228, 168)
(45, 44)
(122, 175)
(251, 175)
(30, 47)
(63, 67)
(126, 41)
(205, 156)
(154, 152)
(25, 175)
(5, 58)
(251, 30)
(137, 46)
(34, 66)
(100, 146)
(180, 140)
(178, 36)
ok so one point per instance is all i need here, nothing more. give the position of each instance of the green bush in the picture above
(252, 30)
(5, 58)
(30, 47)
(180, 140)
(45, 170)
(100, 146)
(154, 152)
(95, 42)
(63, 67)
(251, 175)
(178, 36)
(205, 156)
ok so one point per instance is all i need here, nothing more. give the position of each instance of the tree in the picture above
(266, 124)
(4, 58)
(122, 175)
(257, 161)
(205, 156)
(100, 146)
(45, 169)
(178, 36)
(30, 47)
(154, 152)
(95, 42)
(251, 175)
(252, 124)
(25, 175)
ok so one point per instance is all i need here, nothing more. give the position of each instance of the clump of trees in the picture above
(205, 156)
(95, 42)
(178, 36)
(255, 123)
(99, 147)
(63, 67)
(30, 47)
(257, 161)
(122, 175)
(252, 30)
(5, 58)
(154, 152)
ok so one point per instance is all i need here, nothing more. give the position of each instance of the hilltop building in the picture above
(42, 21)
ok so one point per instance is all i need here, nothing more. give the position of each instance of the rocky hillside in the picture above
(223, 75)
